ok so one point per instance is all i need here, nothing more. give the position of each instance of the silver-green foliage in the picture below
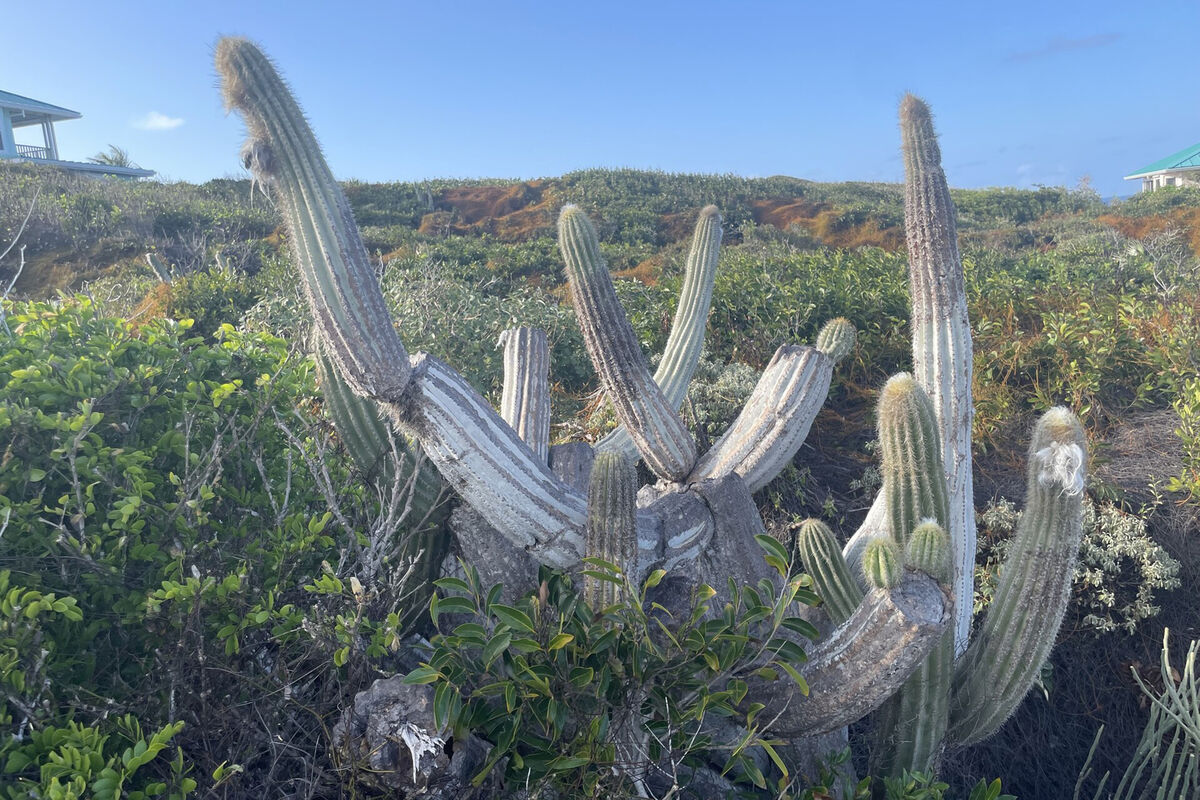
(1121, 568)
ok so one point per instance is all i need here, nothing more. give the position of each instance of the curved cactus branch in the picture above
(1035, 585)
(942, 359)
(496, 473)
(282, 152)
(863, 661)
(775, 420)
(682, 352)
(661, 437)
(525, 398)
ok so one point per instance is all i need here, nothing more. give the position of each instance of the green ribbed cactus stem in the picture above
(1022, 623)
(836, 338)
(682, 352)
(821, 556)
(913, 479)
(283, 154)
(374, 445)
(655, 426)
(911, 726)
(929, 551)
(611, 524)
(881, 564)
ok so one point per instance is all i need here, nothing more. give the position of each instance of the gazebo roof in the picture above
(1188, 158)
(35, 111)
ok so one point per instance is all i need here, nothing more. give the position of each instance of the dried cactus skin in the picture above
(822, 559)
(662, 439)
(775, 420)
(611, 524)
(525, 396)
(282, 152)
(942, 347)
(686, 340)
(1035, 584)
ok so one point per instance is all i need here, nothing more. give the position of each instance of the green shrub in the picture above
(561, 688)
(189, 535)
(1120, 571)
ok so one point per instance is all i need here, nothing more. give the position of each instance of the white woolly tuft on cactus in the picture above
(1061, 463)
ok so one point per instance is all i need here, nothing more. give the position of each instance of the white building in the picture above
(23, 112)
(1177, 169)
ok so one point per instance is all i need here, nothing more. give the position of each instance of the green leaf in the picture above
(492, 650)
(772, 546)
(559, 641)
(513, 617)
(423, 674)
(654, 579)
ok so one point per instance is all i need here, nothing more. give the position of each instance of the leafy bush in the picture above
(1187, 405)
(565, 691)
(1120, 567)
(182, 538)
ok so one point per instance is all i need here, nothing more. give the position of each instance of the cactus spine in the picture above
(612, 524)
(682, 352)
(929, 551)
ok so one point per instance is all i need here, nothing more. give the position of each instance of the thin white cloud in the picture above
(1063, 45)
(155, 121)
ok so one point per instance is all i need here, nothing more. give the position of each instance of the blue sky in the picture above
(1024, 93)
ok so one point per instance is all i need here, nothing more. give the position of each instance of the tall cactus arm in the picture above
(282, 152)
(821, 558)
(475, 450)
(525, 397)
(661, 437)
(1035, 585)
(942, 356)
(912, 725)
(682, 352)
(863, 661)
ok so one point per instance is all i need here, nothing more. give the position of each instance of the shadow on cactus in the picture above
(896, 641)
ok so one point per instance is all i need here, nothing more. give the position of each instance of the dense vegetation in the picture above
(183, 534)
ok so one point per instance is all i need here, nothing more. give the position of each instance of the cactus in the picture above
(699, 521)
(822, 559)
(881, 564)
(647, 415)
(389, 463)
(837, 338)
(611, 525)
(1035, 584)
(682, 352)
(929, 550)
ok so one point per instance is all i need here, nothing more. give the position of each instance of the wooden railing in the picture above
(33, 151)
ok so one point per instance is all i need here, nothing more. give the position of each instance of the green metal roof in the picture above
(1188, 158)
(21, 103)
